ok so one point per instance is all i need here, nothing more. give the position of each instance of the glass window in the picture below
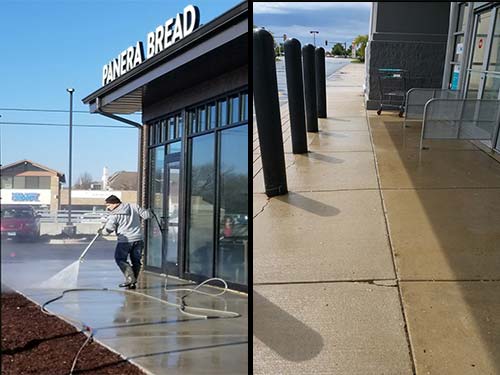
(222, 120)
(459, 47)
(44, 182)
(173, 148)
(480, 39)
(32, 182)
(212, 115)
(202, 118)
(234, 109)
(164, 130)
(152, 133)
(492, 83)
(244, 107)
(159, 138)
(233, 210)
(179, 124)
(192, 121)
(463, 14)
(157, 157)
(171, 128)
(201, 198)
(6, 182)
(19, 182)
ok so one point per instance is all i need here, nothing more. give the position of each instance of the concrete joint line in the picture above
(386, 283)
(411, 350)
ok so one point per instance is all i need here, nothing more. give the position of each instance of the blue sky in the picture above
(50, 45)
(335, 21)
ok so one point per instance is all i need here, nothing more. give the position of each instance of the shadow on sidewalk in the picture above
(287, 336)
(325, 158)
(456, 211)
(308, 204)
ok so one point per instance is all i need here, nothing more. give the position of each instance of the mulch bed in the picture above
(36, 343)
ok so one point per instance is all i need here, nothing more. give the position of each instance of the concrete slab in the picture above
(454, 327)
(321, 236)
(335, 140)
(345, 108)
(139, 325)
(338, 123)
(437, 169)
(391, 140)
(341, 328)
(154, 335)
(450, 234)
(322, 171)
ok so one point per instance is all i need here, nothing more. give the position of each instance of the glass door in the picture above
(163, 231)
(480, 41)
(170, 218)
(156, 200)
(492, 83)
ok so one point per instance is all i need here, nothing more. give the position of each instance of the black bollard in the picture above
(295, 88)
(265, 92)
(310, 88)
(320, 82)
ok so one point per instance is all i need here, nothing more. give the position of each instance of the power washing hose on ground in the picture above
(223, 314)
(86, 329)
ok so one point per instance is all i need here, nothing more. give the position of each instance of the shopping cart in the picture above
(392, 85)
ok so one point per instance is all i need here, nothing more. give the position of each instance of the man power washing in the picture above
(125, 220)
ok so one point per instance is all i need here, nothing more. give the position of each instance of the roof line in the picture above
(33, 163)
(194, 37)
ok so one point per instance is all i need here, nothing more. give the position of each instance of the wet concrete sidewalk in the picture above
(372, 264)
(155, 336)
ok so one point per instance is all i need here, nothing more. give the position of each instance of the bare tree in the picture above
(84, 181)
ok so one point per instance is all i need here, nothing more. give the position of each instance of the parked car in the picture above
(20, 222)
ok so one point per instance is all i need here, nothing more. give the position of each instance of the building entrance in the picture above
(163, 244)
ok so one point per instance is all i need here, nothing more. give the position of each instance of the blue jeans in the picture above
(123, 250)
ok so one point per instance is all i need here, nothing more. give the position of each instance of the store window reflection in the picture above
(201, 199)
(233, 212)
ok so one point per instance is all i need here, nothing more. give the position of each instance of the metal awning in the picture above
(178, 66)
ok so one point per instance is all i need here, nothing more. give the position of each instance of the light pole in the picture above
(314, 36)
(70, 228)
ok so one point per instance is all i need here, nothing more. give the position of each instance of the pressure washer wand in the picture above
(90, 244)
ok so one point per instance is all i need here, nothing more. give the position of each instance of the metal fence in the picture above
(416, 98)
(77, 216)
(468, 119)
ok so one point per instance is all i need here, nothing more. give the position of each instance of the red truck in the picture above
(20, 222)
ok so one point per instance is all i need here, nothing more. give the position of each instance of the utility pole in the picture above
(70, 228)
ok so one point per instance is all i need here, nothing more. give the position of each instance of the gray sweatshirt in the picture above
(125, 220)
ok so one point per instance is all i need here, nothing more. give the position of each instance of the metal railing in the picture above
(416, 98)
(77, 216)
(465, 119)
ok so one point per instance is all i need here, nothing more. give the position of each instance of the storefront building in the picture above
(191, 85)
(28, 183)
(472, 59)
(467, 58)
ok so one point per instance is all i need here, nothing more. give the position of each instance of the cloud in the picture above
(345, 33)
(334, 23)
(292, 7)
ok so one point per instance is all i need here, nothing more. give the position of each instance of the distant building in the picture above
(30, 183)
(123, 181)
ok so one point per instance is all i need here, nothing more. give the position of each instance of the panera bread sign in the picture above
(162, 38)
